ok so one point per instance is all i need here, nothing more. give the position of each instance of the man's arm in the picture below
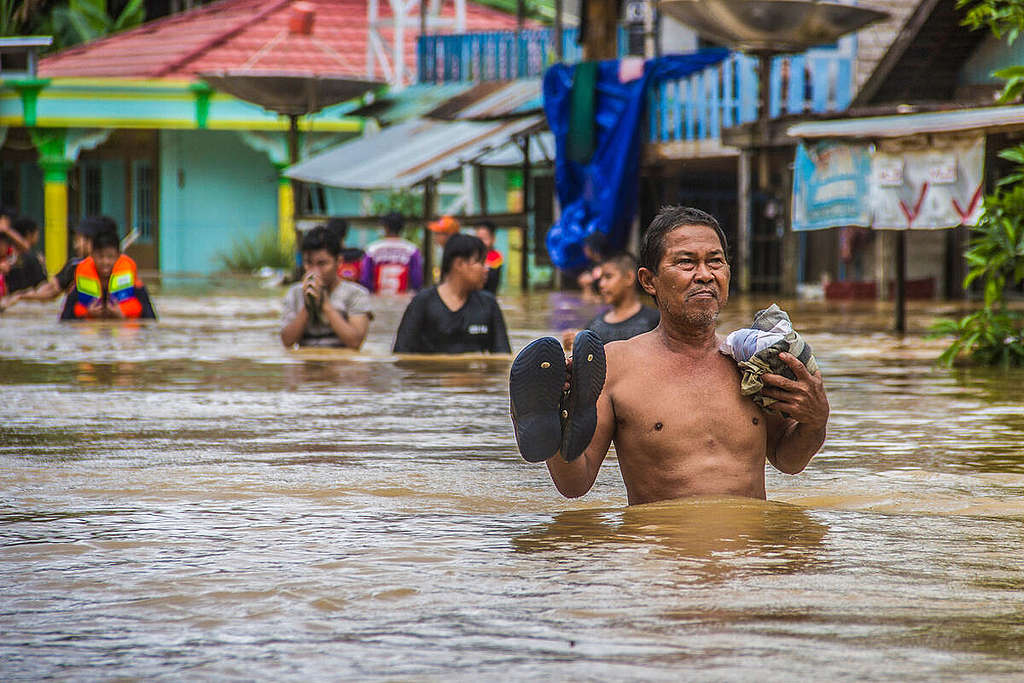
(499, 335)
(573, 479)
(793, 441)
(407, 339)
(351, 331)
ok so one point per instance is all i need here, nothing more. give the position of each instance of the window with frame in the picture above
(143, 189)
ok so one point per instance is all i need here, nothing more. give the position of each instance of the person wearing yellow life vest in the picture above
(107, 285)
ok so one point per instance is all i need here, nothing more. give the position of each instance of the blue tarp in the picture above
(601, 195)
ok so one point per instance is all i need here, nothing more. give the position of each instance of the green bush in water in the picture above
(995, 256)
(252, 253)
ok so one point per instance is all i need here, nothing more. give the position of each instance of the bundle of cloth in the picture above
(756, 351)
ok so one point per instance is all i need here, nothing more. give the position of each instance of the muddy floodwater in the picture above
(188, 500)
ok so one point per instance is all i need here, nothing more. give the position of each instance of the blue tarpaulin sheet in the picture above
(601, 194)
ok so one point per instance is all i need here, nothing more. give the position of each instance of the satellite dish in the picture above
(770, 26)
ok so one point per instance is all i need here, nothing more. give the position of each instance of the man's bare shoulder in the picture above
(628, 353)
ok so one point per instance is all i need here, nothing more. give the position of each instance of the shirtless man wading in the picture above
(671, 401)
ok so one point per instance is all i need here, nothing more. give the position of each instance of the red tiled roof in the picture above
(251, 35)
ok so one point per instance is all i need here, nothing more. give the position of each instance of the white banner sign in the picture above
(917, 187)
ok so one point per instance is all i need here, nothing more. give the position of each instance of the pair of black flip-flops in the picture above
(547, 419)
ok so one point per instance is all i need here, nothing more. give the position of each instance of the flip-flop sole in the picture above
(535, 389)
(588, 373)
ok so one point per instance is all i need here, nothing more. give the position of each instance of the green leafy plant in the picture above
(398, 201)
(1001, 17)
(986, 337)
(995, 256)
(249, 254)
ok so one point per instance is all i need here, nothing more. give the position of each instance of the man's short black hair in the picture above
(339, 226)
(489, 226)
(106, 238)
(652, 245)
(321, 238)
(393, 223)
(94, 225)
(25, 226)
(461, 245)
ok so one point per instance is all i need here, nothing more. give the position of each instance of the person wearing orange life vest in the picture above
(107, 285)
(485, 230)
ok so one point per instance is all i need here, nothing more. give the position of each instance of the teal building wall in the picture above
(992, 55)
(213, 190)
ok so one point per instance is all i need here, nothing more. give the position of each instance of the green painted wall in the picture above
(213, 190)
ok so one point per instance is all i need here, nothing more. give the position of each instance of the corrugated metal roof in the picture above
(408, 153)
(542, 151)
(457, 101)
(904, 125)
(493, 100)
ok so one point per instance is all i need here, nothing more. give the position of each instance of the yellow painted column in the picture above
(55, 213)
(285, 214)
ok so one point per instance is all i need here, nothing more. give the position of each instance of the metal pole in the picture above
(293, 158)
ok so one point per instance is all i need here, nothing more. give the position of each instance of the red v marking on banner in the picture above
(917, 207)
(970, 207)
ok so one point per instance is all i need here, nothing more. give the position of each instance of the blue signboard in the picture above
(831, 186)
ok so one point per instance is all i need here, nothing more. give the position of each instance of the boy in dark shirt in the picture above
(455, 316)
(57, 284)
(28, 270)
(628, 317)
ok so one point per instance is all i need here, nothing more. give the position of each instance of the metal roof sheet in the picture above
(408, 153)
(905, 125)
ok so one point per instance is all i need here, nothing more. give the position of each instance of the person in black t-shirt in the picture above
(60, 283)
(455, 316)
(628, 316)
(28, 270)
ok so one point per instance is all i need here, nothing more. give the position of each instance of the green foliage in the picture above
(995, 256)
(986, 337)
(1014, 88)
(1004, 18)
(80, 21)
(249, 254)
(70, 21)
(398, 201)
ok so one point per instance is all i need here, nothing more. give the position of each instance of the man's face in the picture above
(323, 264)
(614, 283)
(82, 244)
(105, 258)
(486, 237)
(692, 281)
(473, 271)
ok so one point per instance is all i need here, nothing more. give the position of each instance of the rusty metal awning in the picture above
(409, 153)
(984, 119)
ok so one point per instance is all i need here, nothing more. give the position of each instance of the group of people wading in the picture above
(659, 384)
(100, 281)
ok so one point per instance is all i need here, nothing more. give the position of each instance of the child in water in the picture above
(107, 284)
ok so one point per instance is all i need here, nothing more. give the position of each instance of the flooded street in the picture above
(189, 500)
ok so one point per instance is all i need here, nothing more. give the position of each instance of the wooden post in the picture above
(601, 41)
(481, 188)
(559, 52)
(524, 283)
(900, 285)
(744, 226)
(428, 243)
